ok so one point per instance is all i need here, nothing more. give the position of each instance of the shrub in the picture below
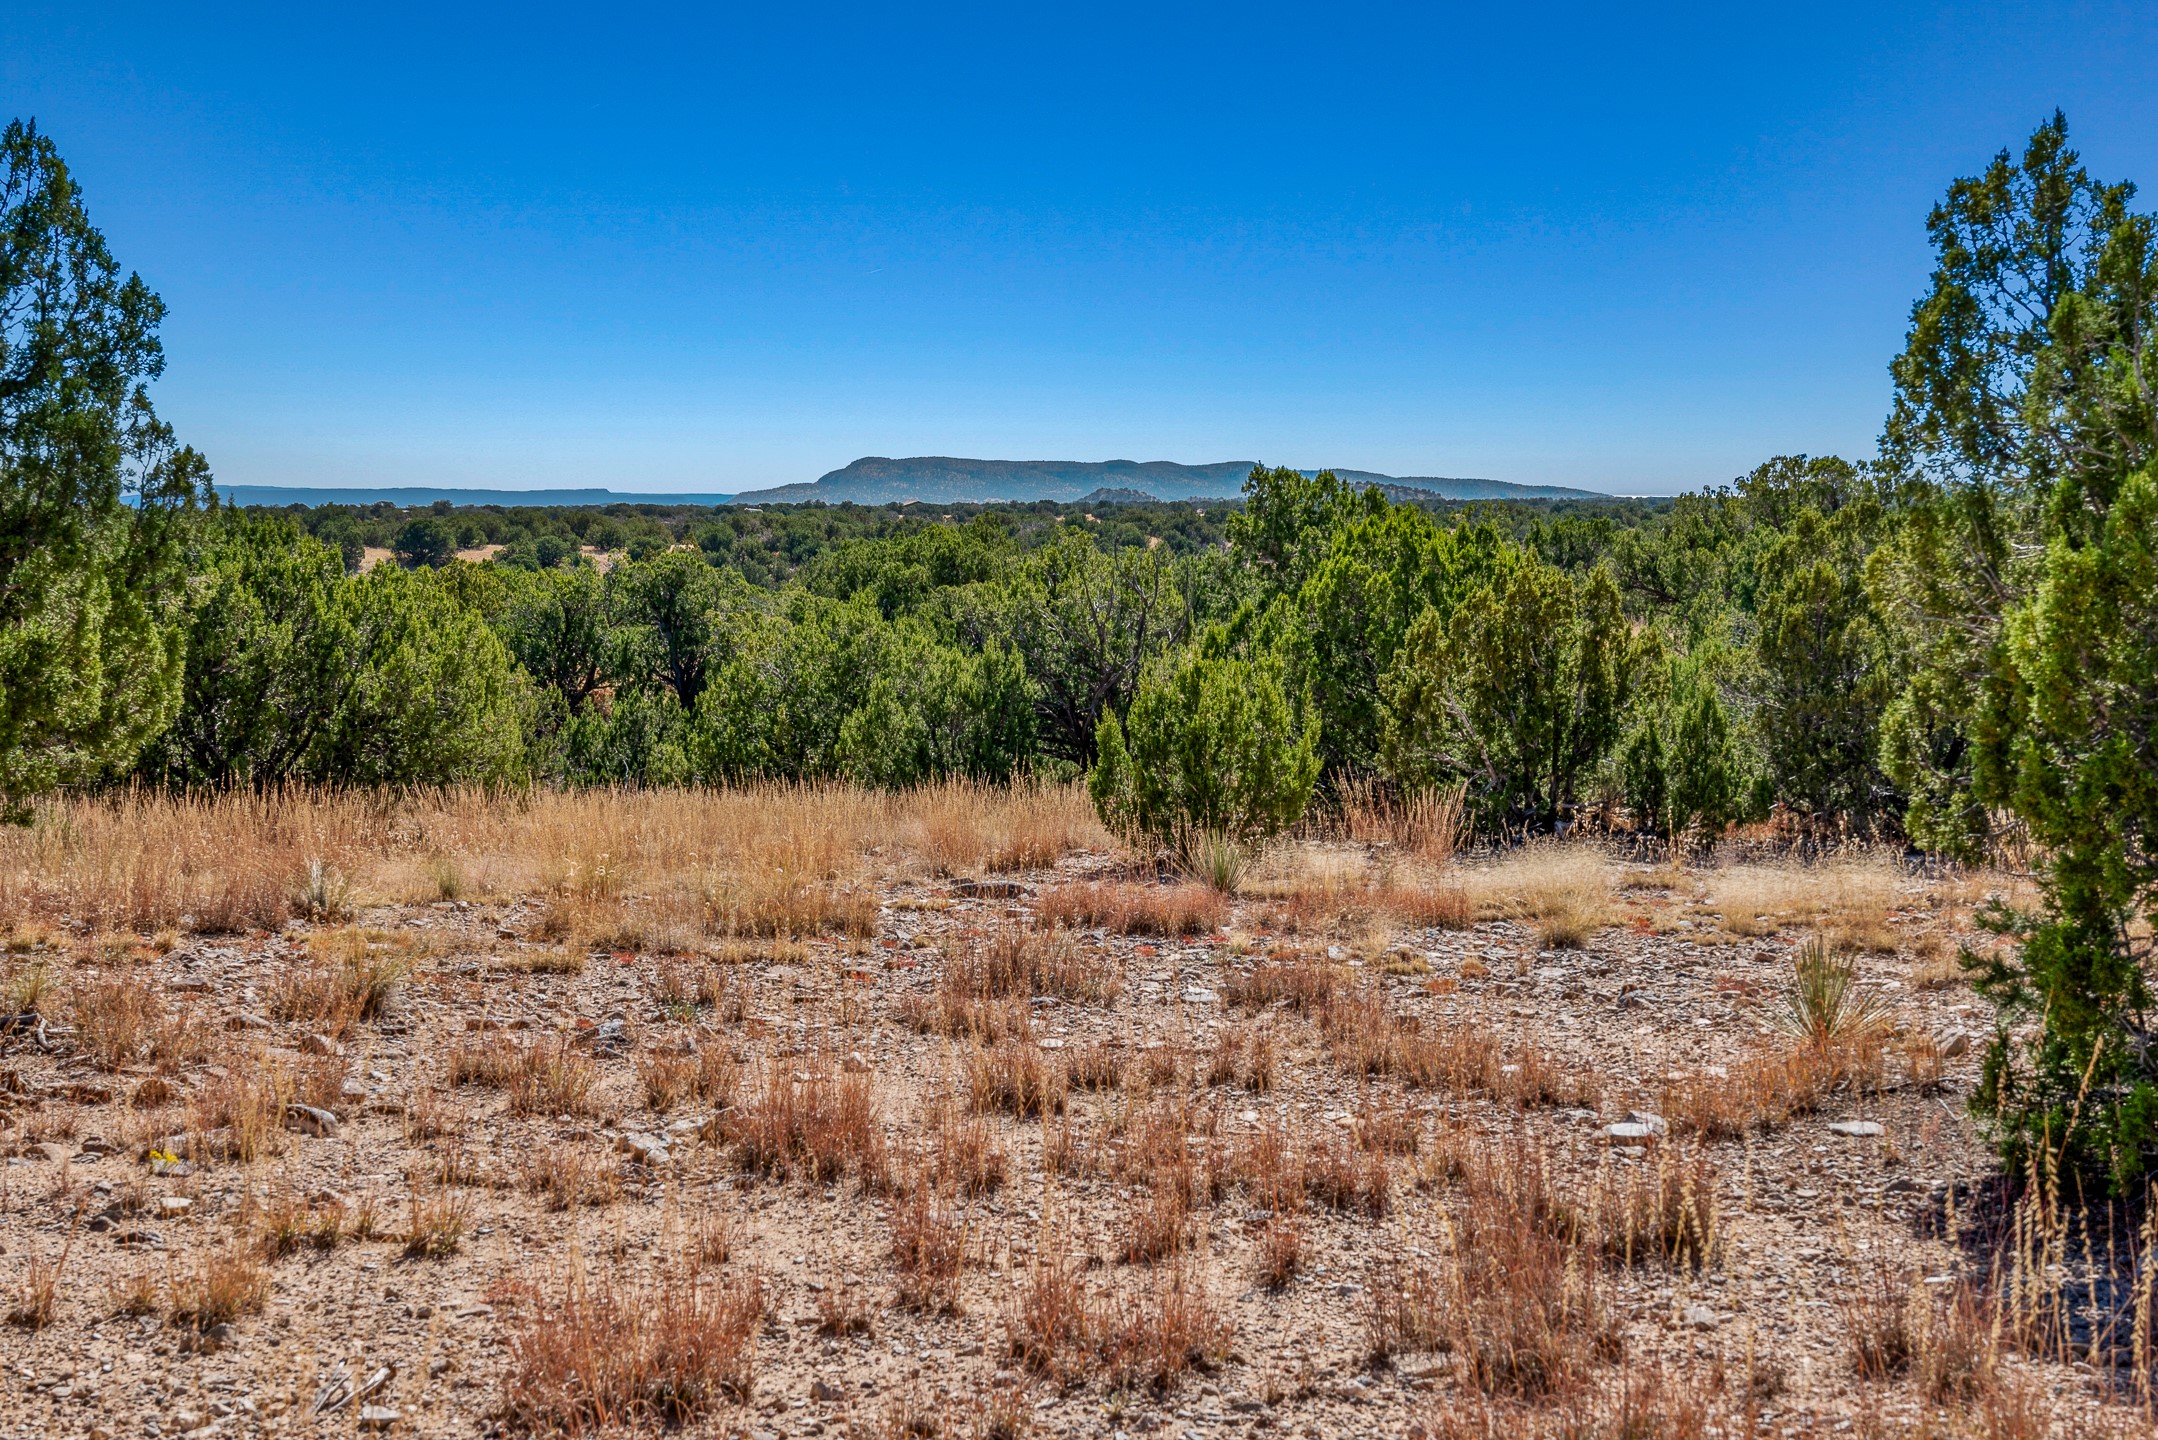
(1209, 753)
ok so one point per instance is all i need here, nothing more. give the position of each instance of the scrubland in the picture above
(791, 1111)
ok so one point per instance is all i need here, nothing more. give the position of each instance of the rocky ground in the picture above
(419, 1230)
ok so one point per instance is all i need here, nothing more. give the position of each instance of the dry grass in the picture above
(238, 1112)
(817, 1120)
(1771, 1087)
(36, 1297)
(287, 1220)
(600, 1352)
(1848, 898)
(929, 1248)
(1366, 1037)
(1303, 987)
(1522, 1313)
(435, 1223)
(1429, 824)
(217, 1288)
(1563, 891)
(1015, 962)
(566, 1176)
(757, 860)
(1059, 1328)
(706, 1076)
(956, 826)
(1124, 909)
(546, 1077)
(115, 1017)
(1013, 1074)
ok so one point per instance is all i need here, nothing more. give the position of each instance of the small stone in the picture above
(643, 1149)
(320, 1045)
(1954, 1043)
(306, 1118)
(245, 1021)
(1700, 1317)
(379, 1417)
(1628, 1132)
(1857, 1129)
(1198, 995)
(825, 1390)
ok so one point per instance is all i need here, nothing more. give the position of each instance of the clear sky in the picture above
(1636, 248)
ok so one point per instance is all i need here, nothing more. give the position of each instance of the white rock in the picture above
(1857, 1129)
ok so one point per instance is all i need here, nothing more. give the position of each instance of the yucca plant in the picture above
(1822, 1006)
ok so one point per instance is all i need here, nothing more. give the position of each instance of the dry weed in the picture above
(819, 1120)
(1136, 909)
(217, 1288)
(599, 1352)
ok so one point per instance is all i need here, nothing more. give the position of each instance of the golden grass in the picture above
(755, 860)
(1848, 898)
(1563, 891)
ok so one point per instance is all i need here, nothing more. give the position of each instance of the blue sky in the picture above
(1631, 248)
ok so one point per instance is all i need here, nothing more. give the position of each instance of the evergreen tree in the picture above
(1210, 749)
(94, 492)
(1517, 695)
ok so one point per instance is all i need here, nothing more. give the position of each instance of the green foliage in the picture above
(1289, 519)
(1517, 696)
(270, 649)
(1680, 764)
(639, 737)
(1210, 748)
(427, 541)
(560, 627)
(1822, 676)
(2020, 588)
(668, 604)
(2023, 397)
(431, 696)
(1086, 624)
(2075, 750)
(94, 492)
(1382, 568)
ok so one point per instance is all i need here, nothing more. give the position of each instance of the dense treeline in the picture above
(1952, 645)
(767, 545)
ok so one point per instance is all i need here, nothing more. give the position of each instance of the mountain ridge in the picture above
(946, 479)
(928, 479)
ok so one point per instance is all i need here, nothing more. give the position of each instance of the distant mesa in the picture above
(946, 480)
(931, 479)
(943, 479)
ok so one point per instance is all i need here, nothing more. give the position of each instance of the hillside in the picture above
(941, 479)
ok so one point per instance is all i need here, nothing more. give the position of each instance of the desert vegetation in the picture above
(1347, 966)
(803, 1105)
